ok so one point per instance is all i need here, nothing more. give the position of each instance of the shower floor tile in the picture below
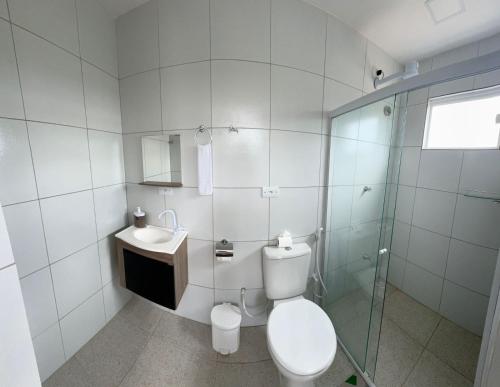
(443, 354)
(430, 371)
(398, 353)
(146, 346)
(456, 347)
(418, 321)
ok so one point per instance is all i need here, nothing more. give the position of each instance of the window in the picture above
(469, 120)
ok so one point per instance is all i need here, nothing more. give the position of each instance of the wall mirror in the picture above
(161, 160)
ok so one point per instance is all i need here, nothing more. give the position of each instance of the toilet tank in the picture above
(286, 270)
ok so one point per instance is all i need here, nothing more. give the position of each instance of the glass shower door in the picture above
(361, 202)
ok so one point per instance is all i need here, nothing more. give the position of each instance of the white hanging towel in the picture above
(205, 186)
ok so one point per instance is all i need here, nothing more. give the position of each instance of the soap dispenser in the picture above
(139, 218)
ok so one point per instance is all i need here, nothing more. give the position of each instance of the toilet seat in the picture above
(301, 337)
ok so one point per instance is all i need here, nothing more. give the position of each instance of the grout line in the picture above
(414, 366)
(162, 118)
(138, 73)
(78, 56)
(321, 216)
(387, 145)
(81, 303)
(75, 55)
(84, 190)
(444, 279)
(403, 281)
(447, 236)
(212, 201)
(36, 187)
(459, 371)
(51, 263)
(19, 77)
(364, 65)
(9, 265)
(64, 125)
(434, 330)
(104, 131)
(457, 192)
(90, 166)
(115, 77)
(33, 338)
(160, 78)
(269, 204)
(233, 60)
(219, 128)
(342, 82)
(451, 233)
(260, 187)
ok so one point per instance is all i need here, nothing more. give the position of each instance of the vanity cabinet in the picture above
(158, 277)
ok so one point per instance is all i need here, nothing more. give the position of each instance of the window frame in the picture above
(458, 97)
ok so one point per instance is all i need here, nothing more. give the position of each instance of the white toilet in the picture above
(300, 336)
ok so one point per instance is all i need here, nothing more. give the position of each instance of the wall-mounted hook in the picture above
(202, 129)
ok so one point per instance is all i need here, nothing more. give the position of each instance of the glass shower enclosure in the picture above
(362, 184)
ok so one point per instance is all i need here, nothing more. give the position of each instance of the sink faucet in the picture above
(176, 226)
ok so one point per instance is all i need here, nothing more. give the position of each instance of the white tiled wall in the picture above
(445, 245)
(469, 51)
(62, 168)
(19, 366)
(271, 68)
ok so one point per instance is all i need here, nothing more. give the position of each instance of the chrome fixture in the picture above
(176, 226)
(202, 129)
(224, 249)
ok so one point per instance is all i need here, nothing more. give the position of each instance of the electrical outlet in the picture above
(270, 192)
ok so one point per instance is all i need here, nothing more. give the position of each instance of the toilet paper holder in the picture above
(224, 249)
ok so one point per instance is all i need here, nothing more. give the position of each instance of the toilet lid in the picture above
(301, 337)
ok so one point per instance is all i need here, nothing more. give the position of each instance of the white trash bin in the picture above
(226, 321)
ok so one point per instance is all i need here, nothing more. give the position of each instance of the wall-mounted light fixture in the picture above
(411, 69)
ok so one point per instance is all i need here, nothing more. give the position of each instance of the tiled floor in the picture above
(419, 348)
(146, 346)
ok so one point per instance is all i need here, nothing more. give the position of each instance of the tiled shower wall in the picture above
(359, 194)
(61, 167)
(445, 245)
(271, 68)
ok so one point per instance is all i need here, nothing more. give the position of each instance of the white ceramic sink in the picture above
(152, 235)
(153, 238)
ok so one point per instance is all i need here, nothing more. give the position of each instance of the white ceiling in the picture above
(403, 28)
(117, 8)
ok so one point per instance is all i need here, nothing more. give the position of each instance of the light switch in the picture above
(270, 192)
